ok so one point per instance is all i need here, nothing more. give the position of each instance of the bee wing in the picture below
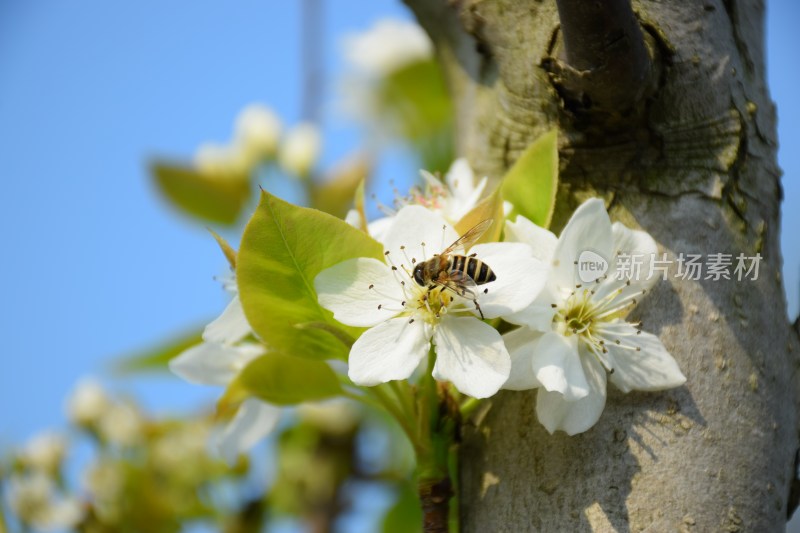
(458, 282)
(469, 238)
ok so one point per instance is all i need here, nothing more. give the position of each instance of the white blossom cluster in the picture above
(33, 492)
(259, 137)
(572, 336)
(564, 337)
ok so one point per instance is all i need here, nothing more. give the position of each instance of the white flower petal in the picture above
(520, 278)
(460, 178)
(542, 242)
(520, 345)
(412, 226)
(378, 227)
(535, 316)
(650, 369)
(471, 355)
(640, 246)
(555, 413)
(389, 351)
(344, 289)
(211, 363)
(230, 327)
(464, 192)
(538, 315)
(461, 206)
(387, 46)
(65, 514)
(588, 229)
(557, 366)
(353, 217)
(252, 422)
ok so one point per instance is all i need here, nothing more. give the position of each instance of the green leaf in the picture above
(157, 357)
(530, 185)
(414, 103)
(217, 198)
(283, 248)
(334, 194)
(227, 249)
(358, 205)
(490, 208)
(286, 380)
(405, 516)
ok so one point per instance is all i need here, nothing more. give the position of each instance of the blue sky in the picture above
(94, 264)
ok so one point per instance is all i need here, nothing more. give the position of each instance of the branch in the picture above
(607, 63)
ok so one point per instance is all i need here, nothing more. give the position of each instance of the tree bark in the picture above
(691, 161)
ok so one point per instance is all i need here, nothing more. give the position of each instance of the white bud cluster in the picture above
(257, 131)
(300, 150)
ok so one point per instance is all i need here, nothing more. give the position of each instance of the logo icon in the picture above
(591, 266)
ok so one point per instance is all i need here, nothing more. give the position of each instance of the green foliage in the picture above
(530, 185)
(415, 103)
(335, 193)
(490, 208)
(215, 198)
(227, 249)
(286, 380)
(283, 248)
(157, 357)
(405, 516)
(314, 466)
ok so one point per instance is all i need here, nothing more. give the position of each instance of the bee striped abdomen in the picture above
(472, 267)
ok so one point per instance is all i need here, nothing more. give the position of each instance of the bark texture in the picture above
(693, 163)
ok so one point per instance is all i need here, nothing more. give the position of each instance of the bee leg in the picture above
(427, 303)
(478, 307)
(442, 304)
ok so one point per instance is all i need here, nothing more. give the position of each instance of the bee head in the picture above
(419, 274)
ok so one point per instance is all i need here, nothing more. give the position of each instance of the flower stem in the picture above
(438, 417)
(469, 406)
(406, 422)
(405, 395)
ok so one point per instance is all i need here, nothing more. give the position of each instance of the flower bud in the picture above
(45, 452)
(122, 425)
(258, 130)
(300, 150)
(87, 403)
(386, 47)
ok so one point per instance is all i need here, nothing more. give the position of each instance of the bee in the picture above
(455, 272)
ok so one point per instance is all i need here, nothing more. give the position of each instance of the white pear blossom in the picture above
(404, 316)
(105, 482)
(258, 130)
(388, 46)
(34, 499)
(122, 424)
(452, 198)
(87, 402)
(575, 336)
(217, 361)
(45, 452)
(300, 150)
(371, 57)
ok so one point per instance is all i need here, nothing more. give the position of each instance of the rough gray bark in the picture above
(694, 165)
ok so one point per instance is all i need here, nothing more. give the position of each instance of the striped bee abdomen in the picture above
(472, 267)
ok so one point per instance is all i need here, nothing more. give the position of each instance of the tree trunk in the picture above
(691, 159)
